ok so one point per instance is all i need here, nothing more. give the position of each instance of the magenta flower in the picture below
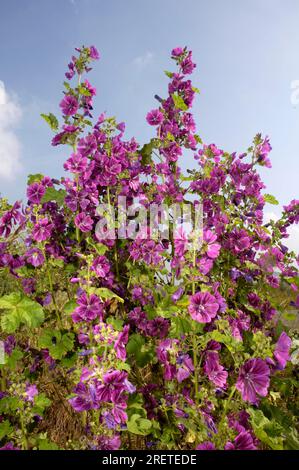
(31, 392)
(158, 327)
(101, 266)
(76, 163)
(89, 308)
(9, 446)
(35, 192)
(208, 445)
(185, 367)
(69, 105)
(239, 241)
(147, 250)
(213, 248)
(203, 307)
(115, 383)
(35, 257)
(177, 51)
(154, 117)
(86, 397)
(282, 350)
(94, 53)
(243, 441)
(108, 443)
(214, 370)
(120, 343)
(187, 64)
(83, 222)
(253, 380)
(42, 230)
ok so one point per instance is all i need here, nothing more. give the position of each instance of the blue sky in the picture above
(247, 55)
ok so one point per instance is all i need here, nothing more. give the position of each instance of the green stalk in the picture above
(195, 363)
(24, 433)
(52, 292)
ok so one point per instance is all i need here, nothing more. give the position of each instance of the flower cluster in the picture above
(185, 345)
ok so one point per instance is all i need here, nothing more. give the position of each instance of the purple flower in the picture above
(35, 257)
(120, 343)
(158, 327)
(253, 380)
(101, 266)
(89, 308)
(177, 51)
(69, 105)
(243, 441)
(154, 117)
(213, 248)
(86, 397)
(35, 192)
(108, 443)
(177, 294)
(203, 307)
(94, 53)
(42, 230)
(115, 382)
(83, 222)
(31, 392)
(239, 241)
(282, 350)
(147, 250)
(9, 446)
(9, 344)
(76, 163)
(214, 370)
(185, 367)
(208, 445)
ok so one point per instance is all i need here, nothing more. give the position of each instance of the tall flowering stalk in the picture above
(183, 347)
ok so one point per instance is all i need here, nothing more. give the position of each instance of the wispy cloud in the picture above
(10, 114)
(143, 60)
(292, 242)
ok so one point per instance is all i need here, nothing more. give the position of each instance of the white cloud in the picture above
(292, 242)
(10, 114)
(143, 60)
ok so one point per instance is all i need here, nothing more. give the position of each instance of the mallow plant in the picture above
(154, 305)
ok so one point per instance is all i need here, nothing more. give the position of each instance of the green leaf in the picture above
(45, 444)
(70, 306)
(139, 425)
(146, 152)
(101, 248)
(5, 429)
(168, 74)
(12, 360)
(83, 90)
(269, 432)
(179, 102)
(117, 323)
(57, 343)
(36, 178)
(137, 348)
(270, 199)
(179, 326)
(53, 194)
(40, 403)
(105, 293)
(51, 120)
(20, 310)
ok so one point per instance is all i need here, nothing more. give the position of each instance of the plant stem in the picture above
(194, 334)
(226, 404)
(24, 433)
(53, 296)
